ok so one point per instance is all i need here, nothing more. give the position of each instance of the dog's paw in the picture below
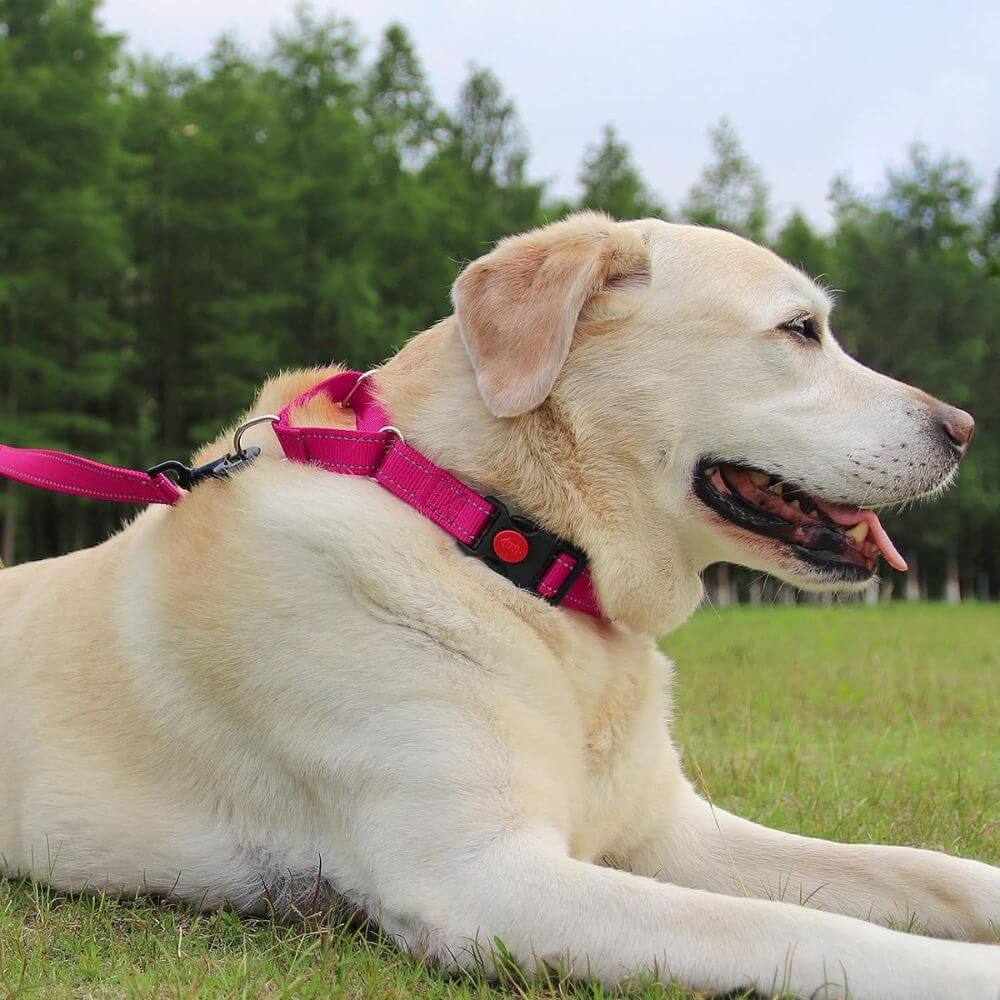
(967, 899)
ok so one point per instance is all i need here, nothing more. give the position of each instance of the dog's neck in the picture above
(536, 461)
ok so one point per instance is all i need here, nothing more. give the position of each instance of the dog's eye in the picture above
(804, 327)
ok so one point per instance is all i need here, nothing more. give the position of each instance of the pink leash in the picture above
(62, 473)
(527, 555)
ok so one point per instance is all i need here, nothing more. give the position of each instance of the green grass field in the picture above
(852, 723)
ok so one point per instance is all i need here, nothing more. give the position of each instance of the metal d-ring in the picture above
(346, 401)
(238, 451)
(393, 429)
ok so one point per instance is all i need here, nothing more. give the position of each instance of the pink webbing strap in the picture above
(82, 477)
(381, 455)
(581, 595)
(376, 450)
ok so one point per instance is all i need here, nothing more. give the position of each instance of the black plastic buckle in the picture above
(220, 468)
(543, 548)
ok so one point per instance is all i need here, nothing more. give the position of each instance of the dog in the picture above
(293, 679)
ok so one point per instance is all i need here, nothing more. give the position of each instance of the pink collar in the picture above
(530, 557)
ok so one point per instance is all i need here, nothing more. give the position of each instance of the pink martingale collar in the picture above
(527, 555)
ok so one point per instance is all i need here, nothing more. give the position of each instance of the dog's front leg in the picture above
(699, 845)
(545, 906)
(462, 841)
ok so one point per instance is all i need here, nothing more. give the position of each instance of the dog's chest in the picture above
(623, 698)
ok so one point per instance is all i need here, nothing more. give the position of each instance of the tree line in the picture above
(170, 233)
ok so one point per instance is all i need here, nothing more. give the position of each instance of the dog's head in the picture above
(706, 368)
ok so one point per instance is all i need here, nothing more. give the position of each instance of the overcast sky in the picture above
(814, 88)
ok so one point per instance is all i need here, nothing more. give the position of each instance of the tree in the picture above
(612, 183)
(488, 131)
(204, 210)
(800, 244)
(325, 153)
(991, 230)
(398, 100)
(408, 130)
(477, 180)
(731, 193)
(932, 201)
(919, 302)
(170, 234)
(62, 250)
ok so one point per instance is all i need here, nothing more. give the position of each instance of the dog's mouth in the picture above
(839, 539)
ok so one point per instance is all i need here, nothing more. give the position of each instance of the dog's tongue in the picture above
(849, 516)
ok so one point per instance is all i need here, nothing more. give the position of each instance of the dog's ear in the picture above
(518, 306)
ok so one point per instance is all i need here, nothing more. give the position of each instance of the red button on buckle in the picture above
(510, 546)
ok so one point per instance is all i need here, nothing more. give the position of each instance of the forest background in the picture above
(172, 233)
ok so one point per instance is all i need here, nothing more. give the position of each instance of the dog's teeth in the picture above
(777, 488)
(711, 471)
(859, 532)
(759, 479)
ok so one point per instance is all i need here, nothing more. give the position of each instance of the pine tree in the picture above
(479, 177)
(488, 131)
(800, 244)
(62, 249)
(325, 152)
(398, 100)
(991, 229)
(169, 235)
(918, 301)
(407, 131)
(731, 193)
(612, 183)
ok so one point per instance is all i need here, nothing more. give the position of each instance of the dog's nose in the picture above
(958, 425)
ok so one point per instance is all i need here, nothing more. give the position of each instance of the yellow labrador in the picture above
(292, 677)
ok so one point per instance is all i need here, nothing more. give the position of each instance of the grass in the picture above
(853, 723)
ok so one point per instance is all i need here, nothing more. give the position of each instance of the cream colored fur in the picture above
(293, 676)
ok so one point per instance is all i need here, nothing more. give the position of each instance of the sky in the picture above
(814, 89)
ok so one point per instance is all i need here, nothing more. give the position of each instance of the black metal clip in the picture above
(187, 477)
